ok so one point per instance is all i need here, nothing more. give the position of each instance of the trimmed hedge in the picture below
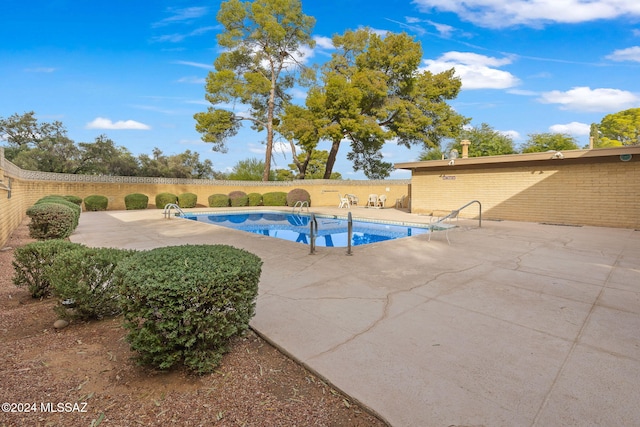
(255, 199)
(182, 304)
(218, 201)
(136, 201)
(298, 195)
(51, 221)
(77, 210)
(83, 278)
(238, 199)
(187, 200)
(95, 203)
(275, 198)
(163, 199)
(74, 199)
(31, 260)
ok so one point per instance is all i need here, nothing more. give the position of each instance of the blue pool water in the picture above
(332, 232)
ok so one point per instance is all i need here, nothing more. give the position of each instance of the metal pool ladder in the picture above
(168, 207)
(299, 205)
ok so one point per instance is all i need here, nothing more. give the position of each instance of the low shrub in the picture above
(77, 210)
(95, 203)
(51, 221)
(298, 195)
(275, 198)
(182, 304)
(238, 199)
(74, 199)
(187, 200)
(31, 260)
(218, 201)
(255, 199)
(82, 279)
(163, 199)
(136, 201)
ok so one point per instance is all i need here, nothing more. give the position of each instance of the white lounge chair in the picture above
(344, 202)
(381, 200)
(372, 200)
(353, 199)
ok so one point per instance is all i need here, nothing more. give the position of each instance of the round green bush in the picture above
(74, 199)
(31, 260)
(298, 195)
(255, 199)
(136, 201)
(51, 221)
(238, 199)
(275, 198)
(82, 279)
(77, 210)
(163, 199)
(187, 200)
(95, 203)
(182, 304)
(218, 201)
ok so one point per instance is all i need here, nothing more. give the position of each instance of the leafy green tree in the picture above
(621, 128)
(594, 135)
(24, 132)
(262, 40)
(539, 142)
(485, 141)
(431, 154)
(103, 157)
(315, 163)
(249, 170)
(184, 165)
(372, 91)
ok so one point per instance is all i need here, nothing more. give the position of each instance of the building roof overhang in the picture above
(573, 156)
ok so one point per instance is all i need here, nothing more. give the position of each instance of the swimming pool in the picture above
(332, 231)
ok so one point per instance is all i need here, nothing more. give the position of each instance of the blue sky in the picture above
(135, 71)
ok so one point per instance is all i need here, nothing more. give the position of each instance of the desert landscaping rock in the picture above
(60, 324)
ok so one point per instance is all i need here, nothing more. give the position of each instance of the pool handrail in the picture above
(168, 207)
(300, 204)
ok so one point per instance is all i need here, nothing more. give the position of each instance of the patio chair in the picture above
(372, 200)
(353, 199)
(344, 202)
(381, 200)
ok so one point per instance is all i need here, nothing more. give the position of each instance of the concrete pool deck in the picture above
(513, 324)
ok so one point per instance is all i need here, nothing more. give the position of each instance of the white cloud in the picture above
(500, 14)
(182, 15)
(628, 54)
(178, 37)
(192, 80)
(476, 71)
(592, 100)
(522, 92)
(102, 123)
(513, 134)
(573, 128)
(195, 64)
(323, 42)
(40, 70)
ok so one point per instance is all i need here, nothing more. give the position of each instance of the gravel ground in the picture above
(83, 375)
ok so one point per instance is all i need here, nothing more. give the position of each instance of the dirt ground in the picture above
(83, 375)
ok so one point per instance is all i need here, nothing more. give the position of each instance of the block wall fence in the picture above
(583, 189)
(29, 186)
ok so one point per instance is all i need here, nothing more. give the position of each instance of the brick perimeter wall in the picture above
(29, 186)
(605, 193)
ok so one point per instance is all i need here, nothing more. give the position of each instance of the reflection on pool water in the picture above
(332, 232)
